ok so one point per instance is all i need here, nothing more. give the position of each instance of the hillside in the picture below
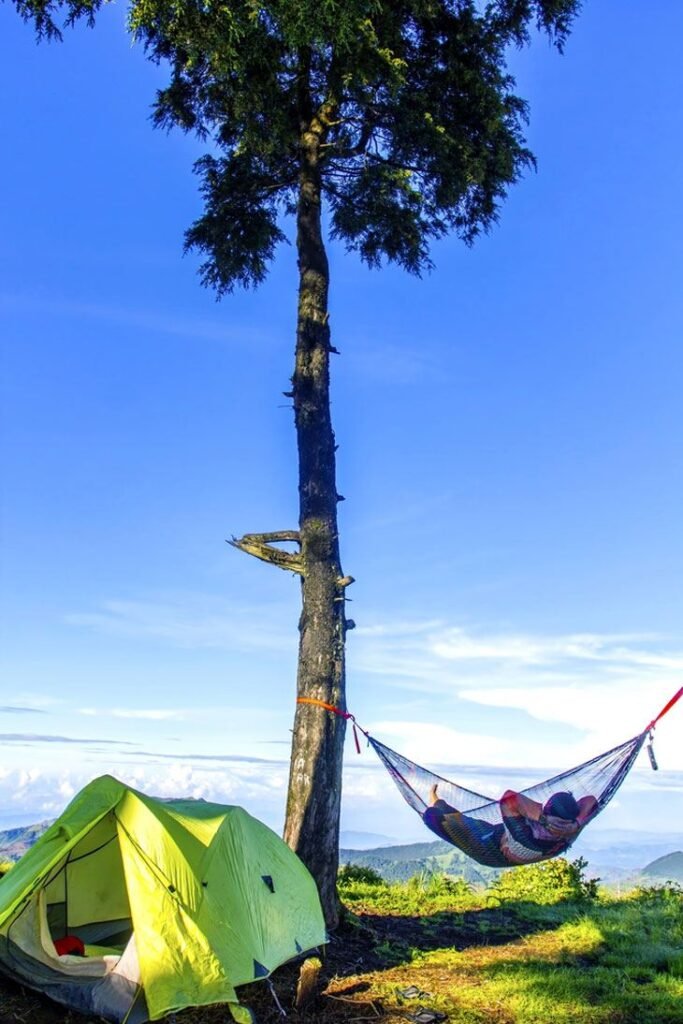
(669, 867)
(351, 840)
(399, 863)
(14, 842)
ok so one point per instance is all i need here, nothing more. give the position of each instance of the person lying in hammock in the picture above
(529, 831)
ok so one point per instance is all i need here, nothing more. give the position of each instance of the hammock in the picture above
(522, 827)
(476, 824)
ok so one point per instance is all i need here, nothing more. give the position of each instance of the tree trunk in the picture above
(314, 796)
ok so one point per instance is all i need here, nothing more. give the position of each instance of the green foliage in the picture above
(666, 893)
(421, 895)
(435, 884)
(644, 930)
(239, 228)
(45, 15)
(350, 873)
(402, 114)
(551, 881)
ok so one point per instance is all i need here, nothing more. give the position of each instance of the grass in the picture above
(542, 946)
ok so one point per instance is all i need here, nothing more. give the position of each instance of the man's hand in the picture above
(559, 827)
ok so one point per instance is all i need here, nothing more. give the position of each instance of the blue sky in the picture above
(510, 432)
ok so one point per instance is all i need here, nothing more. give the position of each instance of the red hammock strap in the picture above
(337, 711)
(667, 707)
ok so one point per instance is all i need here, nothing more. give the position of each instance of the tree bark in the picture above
(314, 796)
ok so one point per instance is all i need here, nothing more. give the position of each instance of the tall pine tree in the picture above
(398, 116)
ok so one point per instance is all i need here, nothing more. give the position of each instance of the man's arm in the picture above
(512, 803)
(588, 807)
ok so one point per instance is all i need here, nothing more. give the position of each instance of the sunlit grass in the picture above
(588, 960)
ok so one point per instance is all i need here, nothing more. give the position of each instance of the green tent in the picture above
(177, 903)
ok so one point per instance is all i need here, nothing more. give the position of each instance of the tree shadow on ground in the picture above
(374, 942)
(365, 943)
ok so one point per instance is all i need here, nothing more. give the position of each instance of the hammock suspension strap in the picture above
(651, 728)
(342, 714)
(667, 707)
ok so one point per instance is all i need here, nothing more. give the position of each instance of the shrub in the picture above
(662, 892)
(350, 873)
(552, 881)
(445, 885)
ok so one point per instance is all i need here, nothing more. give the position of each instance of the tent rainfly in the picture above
(176, 903)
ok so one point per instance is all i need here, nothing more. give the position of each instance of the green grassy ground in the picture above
(543, 946)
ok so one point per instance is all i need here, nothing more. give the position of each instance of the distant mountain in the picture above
(612, 853)
(14, 842)
(398, 863)
(364, 840)
(669, 867)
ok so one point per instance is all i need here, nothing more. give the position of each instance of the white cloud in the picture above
(36, 701)
(399, 629)
(606, 687)
(193, 621)
(399, 364)
(456, 644)
(430, 743)
(441, 658)
(370, 800)
(607, 714)
(45, 793)
(467, 648)
(156, 321)
(566, 704)
(150, 714)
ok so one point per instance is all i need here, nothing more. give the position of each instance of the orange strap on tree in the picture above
(337, 711)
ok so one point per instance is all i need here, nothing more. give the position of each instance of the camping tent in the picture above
(177, 903)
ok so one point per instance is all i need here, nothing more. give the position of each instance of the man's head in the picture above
(562, 805)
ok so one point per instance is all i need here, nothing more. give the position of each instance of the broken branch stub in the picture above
(261, 545)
